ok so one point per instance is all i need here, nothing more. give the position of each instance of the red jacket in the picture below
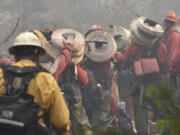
(104, 68)
(100, 69)
(64, 59)
(175, 64)
(82, 77)
(171, 39)
(134, 53)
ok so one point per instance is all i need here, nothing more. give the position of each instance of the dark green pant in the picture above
(79, 119)
(140, 114)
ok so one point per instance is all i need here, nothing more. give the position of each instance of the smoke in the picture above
(77, 14)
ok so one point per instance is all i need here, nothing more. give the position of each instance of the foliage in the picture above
(101, 131)
(165, 100)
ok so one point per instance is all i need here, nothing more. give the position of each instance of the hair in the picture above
(26, 50)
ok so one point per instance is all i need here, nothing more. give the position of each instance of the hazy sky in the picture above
(77, 14)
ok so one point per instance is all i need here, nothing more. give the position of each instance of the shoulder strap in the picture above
(150, 52)
(155, 48)
(40, 35)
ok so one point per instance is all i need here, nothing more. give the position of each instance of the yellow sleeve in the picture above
(2, 87)
(47, 92)
(59, 113)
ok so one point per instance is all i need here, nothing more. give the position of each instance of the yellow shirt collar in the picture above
(24, 63)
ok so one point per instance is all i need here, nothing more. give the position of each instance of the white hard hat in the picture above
(27, 39)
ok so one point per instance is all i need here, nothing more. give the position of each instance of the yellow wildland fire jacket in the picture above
(46, 92)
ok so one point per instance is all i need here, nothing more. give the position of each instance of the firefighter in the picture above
(70, 77)
(99, 117)
(102, 95)
(135, 52)
(171, 38)
(132, 54)
(27, 49)
(72, 80)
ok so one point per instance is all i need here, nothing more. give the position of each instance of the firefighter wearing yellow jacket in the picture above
(27, 49)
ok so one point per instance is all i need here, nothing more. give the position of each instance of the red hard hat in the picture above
(171, 16)
(95, 27)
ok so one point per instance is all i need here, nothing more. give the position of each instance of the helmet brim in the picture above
(11, 49)
(172, 20)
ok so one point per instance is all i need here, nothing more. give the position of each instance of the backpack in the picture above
(147, 69)
(123, 123)
(18, 112)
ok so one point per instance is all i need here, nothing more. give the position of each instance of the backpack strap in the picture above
(151, 52)
(155, 48)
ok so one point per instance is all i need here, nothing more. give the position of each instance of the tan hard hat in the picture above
(27, 39)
